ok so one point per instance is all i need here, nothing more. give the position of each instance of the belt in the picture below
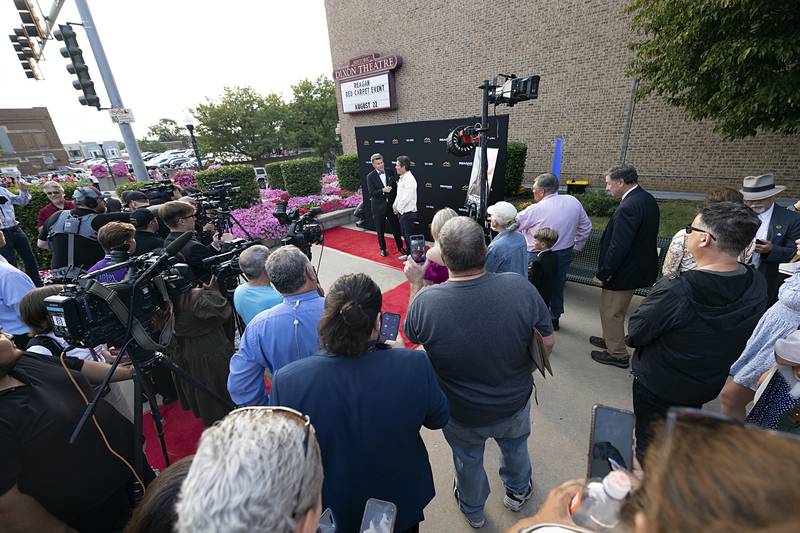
(15, 226)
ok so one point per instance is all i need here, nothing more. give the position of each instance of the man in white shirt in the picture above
(405, 205)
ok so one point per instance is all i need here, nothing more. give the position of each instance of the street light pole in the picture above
(108, 165)
(190, 127)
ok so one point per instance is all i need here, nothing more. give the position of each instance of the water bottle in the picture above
(597, 506)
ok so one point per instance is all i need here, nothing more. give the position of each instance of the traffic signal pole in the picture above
(139, 170)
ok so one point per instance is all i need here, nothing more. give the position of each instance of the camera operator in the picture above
(115, 237)
(46, 484)
(146, 224)
(71, 236)
(180, 218)
(133, 200)
(257, 294)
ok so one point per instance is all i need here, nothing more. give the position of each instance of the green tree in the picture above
(149, 145)
(242, 123)
(167, 130)
(313, 117)
(733, 61)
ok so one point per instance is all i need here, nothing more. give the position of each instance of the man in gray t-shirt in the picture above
(476, 328)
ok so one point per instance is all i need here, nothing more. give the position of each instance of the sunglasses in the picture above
(304, 421)
(697, 417)
(689, 228)
(52, 193)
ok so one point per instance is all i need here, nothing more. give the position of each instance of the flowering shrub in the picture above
(185, 178)
(119, 169)
(258, 221)
(101, 171)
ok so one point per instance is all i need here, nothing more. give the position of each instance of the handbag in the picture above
(539, 354)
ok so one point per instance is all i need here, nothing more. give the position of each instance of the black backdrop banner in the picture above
(442, 178)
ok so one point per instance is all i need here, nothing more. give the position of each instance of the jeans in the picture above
(557, 299)
(467, 444)
(407, 227)
(17, 241)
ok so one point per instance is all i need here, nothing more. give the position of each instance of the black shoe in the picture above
(605, 358)
(600, 342)
(383, 253)
(555, 324)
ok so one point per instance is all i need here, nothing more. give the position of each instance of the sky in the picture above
(169, 55)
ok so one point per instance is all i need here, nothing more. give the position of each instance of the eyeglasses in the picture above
(190, 216)
(52, 193)
(305, 421)
(689, 228)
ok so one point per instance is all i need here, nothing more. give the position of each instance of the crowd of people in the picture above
(329, 411)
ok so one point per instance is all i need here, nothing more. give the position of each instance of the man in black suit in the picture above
(382, 188)
(628, 260)
(780, 228)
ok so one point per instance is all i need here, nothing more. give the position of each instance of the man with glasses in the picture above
(692, 327)
(16, 240)
(55, 195)
(180, 218)
(628, 260)
(270, 478)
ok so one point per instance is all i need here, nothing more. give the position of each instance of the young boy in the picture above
(114, 236)
(543, 267)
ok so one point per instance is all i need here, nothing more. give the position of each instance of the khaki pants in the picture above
(613, 306)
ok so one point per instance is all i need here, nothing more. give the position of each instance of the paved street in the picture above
(561, 421)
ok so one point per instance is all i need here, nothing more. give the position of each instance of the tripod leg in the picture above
(154, 411)
(138, 452)
(163, 361)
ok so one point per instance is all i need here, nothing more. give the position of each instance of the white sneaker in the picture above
(514, 500)
(403, 257)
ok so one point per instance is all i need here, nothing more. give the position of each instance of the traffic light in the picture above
(27, 53)
(77, 66)
(31, 22)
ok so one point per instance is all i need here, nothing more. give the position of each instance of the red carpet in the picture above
(362, 244)
(181, 433)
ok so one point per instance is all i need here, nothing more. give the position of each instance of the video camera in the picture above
(304, 230)
(159, 193)
(225, 265)
(218, 199)
(90, 313)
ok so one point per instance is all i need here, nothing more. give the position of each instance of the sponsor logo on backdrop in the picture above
(428, 185)
(366, 142)
(428, 164)
(465, 163)
(378, 141)
(448, 187)
(413, 164)
(446, 164)
(409, 140)
(465, 188)
(395, 141)
(430, 207)
(426, 140)
(443, 139)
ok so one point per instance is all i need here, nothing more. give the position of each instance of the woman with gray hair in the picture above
(508, 252)
(257, 294)
(436, 272)
(259, 469)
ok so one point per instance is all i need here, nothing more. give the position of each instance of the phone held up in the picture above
(418, 248)
(390, 324)
(379, 517)
(610, 442)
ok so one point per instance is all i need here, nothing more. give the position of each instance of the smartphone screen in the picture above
(418, 248)
(379, 517)
(611, 438)
(326, 522)
(390, 323)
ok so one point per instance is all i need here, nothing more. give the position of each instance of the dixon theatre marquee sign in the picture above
(367, 83)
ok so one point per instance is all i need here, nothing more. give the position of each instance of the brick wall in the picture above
(579, 48)
(33, 136)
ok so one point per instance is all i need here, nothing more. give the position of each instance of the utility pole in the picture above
(139, 170)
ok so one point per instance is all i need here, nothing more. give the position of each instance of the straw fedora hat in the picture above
(760, 187)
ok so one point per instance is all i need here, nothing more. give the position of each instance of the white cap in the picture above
(503, 213)
(617, 484)
(789, 348)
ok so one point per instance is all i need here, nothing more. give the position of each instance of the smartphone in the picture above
(390, 323)
(418, 248)
(379, 517)
(326, 522)
(610, 442)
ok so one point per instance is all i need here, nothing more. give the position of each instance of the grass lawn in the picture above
(675, 214)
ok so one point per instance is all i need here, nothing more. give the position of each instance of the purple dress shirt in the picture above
(561, 212)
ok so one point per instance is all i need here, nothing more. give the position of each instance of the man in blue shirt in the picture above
(282, 334)
(15, 238)
(257, 294)
(14, 284)
(508, 252)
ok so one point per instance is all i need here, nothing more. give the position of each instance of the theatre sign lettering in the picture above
(367, 83)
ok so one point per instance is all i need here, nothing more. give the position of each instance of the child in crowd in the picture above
(114, 237)
(543, 266)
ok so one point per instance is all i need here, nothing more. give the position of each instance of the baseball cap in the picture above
(134, 196)
(141, 218)
(503, 212)
(81, 194)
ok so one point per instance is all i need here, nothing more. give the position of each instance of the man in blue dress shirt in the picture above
(281, 334)
(16, 240)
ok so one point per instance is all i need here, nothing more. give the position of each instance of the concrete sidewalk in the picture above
(560, 439)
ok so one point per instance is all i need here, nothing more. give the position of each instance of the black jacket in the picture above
(690, 329)
(193, 254)
(542, 273)
(381, 202)
(628, 254)
(147, 241)
(784, 229)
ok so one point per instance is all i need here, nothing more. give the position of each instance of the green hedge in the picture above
(515, 166)
(133, 186)
(241, 176)
(274, 175)
(347, 172)
(28, 214)
(598, 203)
(303, 176)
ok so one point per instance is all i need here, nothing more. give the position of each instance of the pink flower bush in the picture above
(100, 171)
(185, 178)
(259, 222)
(119, 169)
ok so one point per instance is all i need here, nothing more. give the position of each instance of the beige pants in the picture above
(613, 306)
